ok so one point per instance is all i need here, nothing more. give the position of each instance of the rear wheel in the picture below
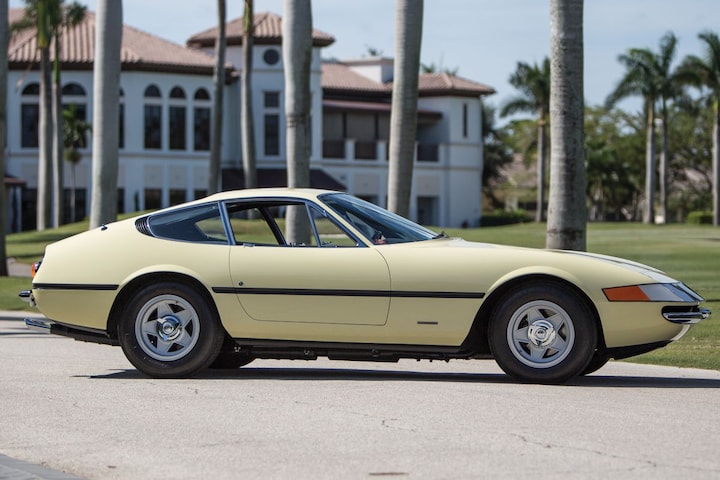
(598, 361)
(169, 331)
(542, 334)
(230, 358)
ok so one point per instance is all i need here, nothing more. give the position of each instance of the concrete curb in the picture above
(14, 469)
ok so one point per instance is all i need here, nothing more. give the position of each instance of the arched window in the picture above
(177, 92)
(153, 117)
(73, 89)
(152, 92)
(201, 120)
(30, 115)
(74, 99)
(178, 119)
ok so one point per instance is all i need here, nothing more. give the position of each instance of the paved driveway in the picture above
(82, 409)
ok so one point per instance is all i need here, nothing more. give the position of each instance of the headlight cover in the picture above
(653, 292)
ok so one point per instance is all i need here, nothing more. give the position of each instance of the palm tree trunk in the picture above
(44, 187)
(297, 59)
(4, 39)
(716, 163)
(403, 115)
(72, 195)
(650, 166)
(663, 171)
(219, 87)
(57, 141)
(246, 107)
(541, 167)
(106, 113)
(567, 213)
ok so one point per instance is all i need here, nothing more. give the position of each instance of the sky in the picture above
(483, 39)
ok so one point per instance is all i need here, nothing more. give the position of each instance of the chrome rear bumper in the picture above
(27, 297)
(39, 324)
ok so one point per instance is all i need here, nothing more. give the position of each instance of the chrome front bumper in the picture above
(687, 318)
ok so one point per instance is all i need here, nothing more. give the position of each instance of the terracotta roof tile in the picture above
(140, 50)
(268, 31)
(339, 78)
(432, 84)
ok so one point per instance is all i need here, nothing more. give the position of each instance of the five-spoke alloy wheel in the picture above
(169, 331)
(542, 333)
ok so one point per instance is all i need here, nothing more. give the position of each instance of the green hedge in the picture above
(503, 217)
(700, 218)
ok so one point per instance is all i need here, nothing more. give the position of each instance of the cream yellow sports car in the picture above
(301, 273)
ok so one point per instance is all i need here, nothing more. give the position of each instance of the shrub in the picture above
(700, 218)
(504, 217)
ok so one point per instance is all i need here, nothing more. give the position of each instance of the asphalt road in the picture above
(81, 410)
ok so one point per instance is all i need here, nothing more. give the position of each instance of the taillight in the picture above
(34, 268)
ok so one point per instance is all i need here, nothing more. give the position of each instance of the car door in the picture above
(329, 279)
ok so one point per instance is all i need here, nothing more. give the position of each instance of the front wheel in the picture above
(542, 333)
(169, 331)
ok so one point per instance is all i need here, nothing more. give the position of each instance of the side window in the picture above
(329, 233)
(201, 224)
(267, 224)
(249, 226)
(317, 229)
(303, 236)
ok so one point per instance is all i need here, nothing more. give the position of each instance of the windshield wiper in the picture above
(441, 235)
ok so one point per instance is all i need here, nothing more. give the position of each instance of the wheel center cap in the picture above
(169, 328)
(541, 333)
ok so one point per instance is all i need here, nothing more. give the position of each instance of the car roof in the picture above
(304, 193)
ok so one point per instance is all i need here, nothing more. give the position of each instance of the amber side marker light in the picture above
(632, 293)
(34, 269)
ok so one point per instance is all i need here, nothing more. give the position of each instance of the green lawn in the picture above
(689, 253)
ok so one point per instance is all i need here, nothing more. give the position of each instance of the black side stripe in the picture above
(75, 286)
(346, 293)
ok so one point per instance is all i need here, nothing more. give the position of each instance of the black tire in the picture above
(542, 333)
(230, 361)
(169, 331)
(596, 363)
(229, 358)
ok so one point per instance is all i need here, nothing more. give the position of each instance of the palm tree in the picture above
(106, 113)
(496, 153)
(705, 72)
(4, 36)
(566, 225)
(38, 15)
(63, 16)
(49, 17)
(74, 137)
(648, 75)
(217, 119)
(297, 58)
(246, 107)
(403, 113)
(669, 88)
(533, 82)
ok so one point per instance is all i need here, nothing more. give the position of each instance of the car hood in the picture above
(548, 254)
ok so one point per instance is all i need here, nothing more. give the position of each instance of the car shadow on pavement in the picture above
(364, 375)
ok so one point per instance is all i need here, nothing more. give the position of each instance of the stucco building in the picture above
(165, 108)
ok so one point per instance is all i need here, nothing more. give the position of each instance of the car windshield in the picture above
(375, 223)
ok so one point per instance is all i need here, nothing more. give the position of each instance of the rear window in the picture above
(201, 224)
